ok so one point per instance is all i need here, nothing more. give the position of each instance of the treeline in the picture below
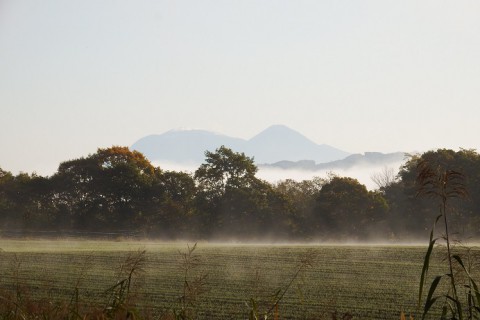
(119, 191)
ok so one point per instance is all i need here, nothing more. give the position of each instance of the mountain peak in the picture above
(279, 127)
(282, 142)
(280, 134)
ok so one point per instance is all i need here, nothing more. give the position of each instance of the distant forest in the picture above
(118, 191)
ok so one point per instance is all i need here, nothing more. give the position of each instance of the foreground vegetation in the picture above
(366, 282)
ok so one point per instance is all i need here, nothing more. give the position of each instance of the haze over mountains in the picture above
(277, 147)
(369, 159)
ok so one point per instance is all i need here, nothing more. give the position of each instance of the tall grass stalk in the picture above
(193, 286)
(444, 185)
(120, 301)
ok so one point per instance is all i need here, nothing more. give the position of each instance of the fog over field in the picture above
(236, 273)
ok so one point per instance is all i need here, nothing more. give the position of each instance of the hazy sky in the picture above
(359, 75)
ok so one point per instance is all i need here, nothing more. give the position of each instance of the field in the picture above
(367, 282)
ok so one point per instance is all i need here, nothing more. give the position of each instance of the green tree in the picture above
(345, 208)
(6, 205)
(106, 190)
(413, 216)
(171, 201)
(230, 199)
(300, 202)
(224, 169)
(25, 201)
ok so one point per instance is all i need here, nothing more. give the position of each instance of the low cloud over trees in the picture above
(119, 191)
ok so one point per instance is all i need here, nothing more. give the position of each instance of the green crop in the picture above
(367, 282)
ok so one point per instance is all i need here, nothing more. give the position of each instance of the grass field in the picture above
(368, 282)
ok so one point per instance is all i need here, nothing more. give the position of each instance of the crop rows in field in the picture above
(369, 282)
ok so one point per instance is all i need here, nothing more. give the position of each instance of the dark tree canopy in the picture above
(345, 205)
(415, 214)
(119, 191)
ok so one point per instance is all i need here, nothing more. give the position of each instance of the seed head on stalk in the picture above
(436, 180)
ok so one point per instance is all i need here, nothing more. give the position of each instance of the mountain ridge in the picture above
(368, 159)
(275, 143)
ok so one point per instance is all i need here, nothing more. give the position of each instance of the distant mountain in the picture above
(274, 144)
(282, 143)
(369, 159)
(184, 146)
